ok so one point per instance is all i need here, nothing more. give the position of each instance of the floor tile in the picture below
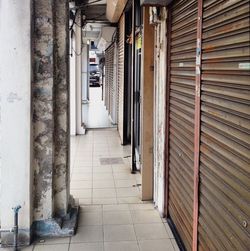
(128, 200)
(52, 241)
(104, 193)
(146, 216)
(86, 246)
(144, 206)
(88, 234)
(81, 193)
(54, 247)
(121, 246)
(90, 218)
(119, 233)
(174, 243)
(104, 201)
(102, 169)
(125, 183)
(91, 208)
(104, 183)
(117, 217)
(124, 176)
(82, 184)
(150, 231)
(127, 192)
(103, 176)
(156, 245)
(120, 207)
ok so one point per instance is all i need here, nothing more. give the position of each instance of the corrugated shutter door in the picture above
(181, 142)
(109, 84)
(121, 51)
(224, 206)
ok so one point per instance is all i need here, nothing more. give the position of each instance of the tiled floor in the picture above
(112, 216)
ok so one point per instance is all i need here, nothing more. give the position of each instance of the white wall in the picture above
(15, 106)
(159, 113)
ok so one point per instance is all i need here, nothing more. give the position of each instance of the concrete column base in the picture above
(58, 226)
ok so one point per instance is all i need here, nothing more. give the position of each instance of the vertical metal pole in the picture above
(15, 228)
(132, 89)
(167, 130)
(197, 126)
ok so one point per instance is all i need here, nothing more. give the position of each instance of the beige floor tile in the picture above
(124, 176)
(104, 183)
(146, 216)
(129, 200)
(90, 218)
(102, 169)
(144, 206)
(88, 234)
(121, 246)
(121, 169)
(86, 246)
(156, 245)
(117, 217)
(120, 207)
(119, 233)
(169, 231)
(125, 183)
(81, 175)
(150, 231)
(30, 248)
(104, 201)
(54, 247)
(90, 208)
(52, 241)
(81, 184)
(103, 176)
(127, 192)
(81, 193)
(83, 202)
(104, 193)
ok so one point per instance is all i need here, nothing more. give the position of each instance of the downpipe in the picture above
(14, 229)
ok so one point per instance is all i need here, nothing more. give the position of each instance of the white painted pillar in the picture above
(15, 114)
(78, 51)
(85, 75)
(72, 86)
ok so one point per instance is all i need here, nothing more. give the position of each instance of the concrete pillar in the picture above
(15, 118)
(61, 167)
(43, 109)
(147, 106)
(52, 207)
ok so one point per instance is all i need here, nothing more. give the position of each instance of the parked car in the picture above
(94, 75)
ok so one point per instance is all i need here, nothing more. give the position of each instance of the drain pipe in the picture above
(14, 229)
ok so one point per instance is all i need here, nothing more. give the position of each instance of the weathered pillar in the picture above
(51, 120)
(15, 119)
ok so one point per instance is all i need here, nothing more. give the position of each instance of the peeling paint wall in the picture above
(160, 110)
(50, 108)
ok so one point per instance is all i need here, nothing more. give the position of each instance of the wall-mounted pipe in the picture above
(14, 229)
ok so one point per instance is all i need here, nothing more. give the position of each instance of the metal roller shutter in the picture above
(121, 58)
(224, 206)
(181, 116)
(109, 81)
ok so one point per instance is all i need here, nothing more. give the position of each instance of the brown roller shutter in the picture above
(121, 51)
(181, 59)
(224, 206)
